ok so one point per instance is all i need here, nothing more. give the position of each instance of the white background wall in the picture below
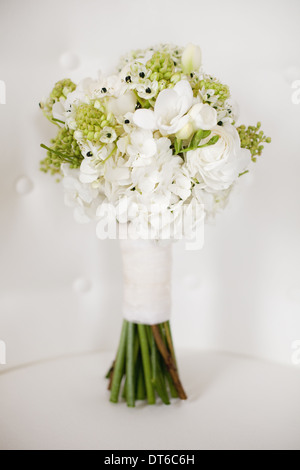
(241, 293)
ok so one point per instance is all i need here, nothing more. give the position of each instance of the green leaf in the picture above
(212, 141)
(206, 134)
(244, 173)
(198, 136)
(177, 146)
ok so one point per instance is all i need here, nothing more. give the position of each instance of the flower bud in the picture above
(191, 58)
(185, 132)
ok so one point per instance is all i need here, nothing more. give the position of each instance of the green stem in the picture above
(135, 356)
(58, 120)
(120, 365)
(146, 363)
(130, 395)
(108, 375)
(170, 340)
(158, 377)
(107, 158)
(164, 333)
(141, 387)
(64, 157)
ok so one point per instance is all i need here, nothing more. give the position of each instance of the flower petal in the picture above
(166, 105)
(145, 119)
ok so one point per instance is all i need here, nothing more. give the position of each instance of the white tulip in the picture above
(191, 58)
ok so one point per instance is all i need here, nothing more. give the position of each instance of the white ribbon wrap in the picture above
(147, 269)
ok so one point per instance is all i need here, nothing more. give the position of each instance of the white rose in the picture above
(203, 116)
(218, 166)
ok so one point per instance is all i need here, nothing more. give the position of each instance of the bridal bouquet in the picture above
(148, 153)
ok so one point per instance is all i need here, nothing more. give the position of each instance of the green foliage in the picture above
(64, 149)
(90, 120)
(61, 90)
(252, 139)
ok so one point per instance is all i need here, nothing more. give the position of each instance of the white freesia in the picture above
(217, 166)
(203, 116)
(185, 132)
(191, 58)
(169, 115)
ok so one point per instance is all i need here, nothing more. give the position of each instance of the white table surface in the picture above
(234, 403)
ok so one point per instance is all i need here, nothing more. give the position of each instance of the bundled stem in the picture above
(146, 365)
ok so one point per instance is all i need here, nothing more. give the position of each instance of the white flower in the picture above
(169, 115)
(218, 166)
(212, 201)
(185, 132)
(82, 197)
(107, 86)
(82, 94)
(147, 89)
(58, 111)
(107, 135)
(123, 104)
(92, 165)
(181, 185)
(142, 144)
(203, 116)
(191, 58)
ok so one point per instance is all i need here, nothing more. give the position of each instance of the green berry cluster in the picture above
(162, 66)
(91, 119)
(221, 91)
(252, 139)
(162, 69)
(64, 149)
(61, 90)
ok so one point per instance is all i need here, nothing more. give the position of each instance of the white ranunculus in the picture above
(218, 166)
(169, 115)
(191, 58)
(203, 116)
